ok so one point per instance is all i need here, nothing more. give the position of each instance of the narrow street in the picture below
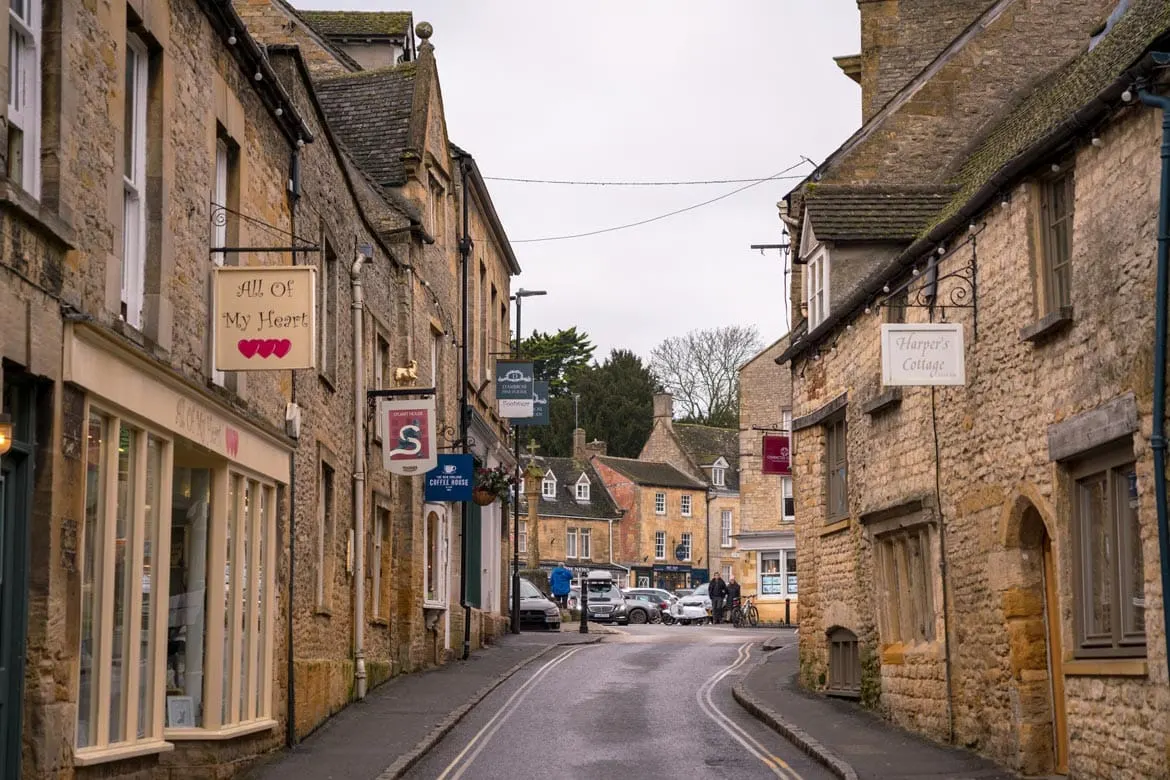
(653, 702)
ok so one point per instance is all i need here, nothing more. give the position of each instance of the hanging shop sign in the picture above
(408, 441)
(924, 354)
(451, 480)
(539, 405)
(514, 386)
(777, 455)
(264, 317)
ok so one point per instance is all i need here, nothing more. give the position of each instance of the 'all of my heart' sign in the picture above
(265, 317)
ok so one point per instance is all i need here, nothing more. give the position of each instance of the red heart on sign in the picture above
(282, 348)
(247, 347)
(266, 347)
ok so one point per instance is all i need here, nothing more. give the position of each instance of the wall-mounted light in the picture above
(1097, 142)
(5, 433)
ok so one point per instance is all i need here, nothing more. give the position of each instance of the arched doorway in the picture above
(1032, 613)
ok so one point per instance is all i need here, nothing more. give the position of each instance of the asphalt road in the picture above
(654, 702)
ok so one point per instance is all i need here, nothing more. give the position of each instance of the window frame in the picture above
(435, 560)
(134, 187)
(1056, 239)
(328, 315)
(570, 542)
(787, 495)
(326, 533)
(688, 541)
(26, 117)
(719, 476)
(585, 543)
(548, 486)
(816, 287)
(685, 504)
(522, 539)
(836, 468)
(906, 612)
(382, 526)
(659, 503)
(582, 488)
(1110, 465)
(660, 545)
(725, 520)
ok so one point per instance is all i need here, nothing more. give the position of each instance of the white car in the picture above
(695, 607)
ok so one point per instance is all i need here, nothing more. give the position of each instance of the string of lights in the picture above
(597, 183)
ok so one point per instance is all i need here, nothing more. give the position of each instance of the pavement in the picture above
(399, 721)
(851, 742)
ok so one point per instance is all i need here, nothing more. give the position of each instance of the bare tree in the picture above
(701, 371)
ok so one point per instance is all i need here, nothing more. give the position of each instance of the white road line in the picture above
(778, 766)
(455, 770)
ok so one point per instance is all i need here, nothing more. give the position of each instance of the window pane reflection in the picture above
(123, 523)
(186, 622)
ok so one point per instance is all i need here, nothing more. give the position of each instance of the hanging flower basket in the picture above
(492, 484)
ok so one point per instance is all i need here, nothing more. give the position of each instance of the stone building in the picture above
(575, 514)
(663, 533)
(979, 559)
(766, 535)
(710, 455)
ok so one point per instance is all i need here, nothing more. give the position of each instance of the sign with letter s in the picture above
(408, 436)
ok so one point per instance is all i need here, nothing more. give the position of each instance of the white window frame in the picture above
(134, 185)
(24, 91)
(789, 572)
(659, 503)
(786, 420)
(583, 488)
(219, 228)
(548, 486)
(660, 545)
(437, 556)
(571, 543)
(727, 571)
(685, 502)
(436, 354)
(330, 317)
(816, 287)
(785, 494)
(586, 543)
(718, 476)
(725, 528)
(522, 541)
(688, 545)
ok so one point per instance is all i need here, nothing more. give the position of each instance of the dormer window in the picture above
(583, 488)
(548, 486)
(719, 473)
(816, 287)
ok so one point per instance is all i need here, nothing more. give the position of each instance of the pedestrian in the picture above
(560, 581)
(732, 593)
(717, 591)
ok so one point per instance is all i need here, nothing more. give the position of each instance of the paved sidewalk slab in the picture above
(400, 720)
(850, 741)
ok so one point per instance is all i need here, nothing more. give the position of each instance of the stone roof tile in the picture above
(651, 473)
(856, 213)
(707, 445)
(370, 112)
(359, 23)
(600, 505)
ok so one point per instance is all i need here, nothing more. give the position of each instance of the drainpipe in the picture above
(359, 476)
(1158, 437)
(465, 258)
(290, 736)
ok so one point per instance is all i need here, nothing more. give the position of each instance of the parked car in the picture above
(645, 607)
(695, 607)
(664, 598)
(607, 604)
(536, 609)
(683, 592)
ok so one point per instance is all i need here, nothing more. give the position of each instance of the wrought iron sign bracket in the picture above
(372, 396)
(960, 294)
(219, 218)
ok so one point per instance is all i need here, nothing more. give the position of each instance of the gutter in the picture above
(872, 286)
(1158, 437)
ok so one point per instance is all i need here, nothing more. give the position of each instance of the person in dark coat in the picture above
(732, 593)
(717, 590)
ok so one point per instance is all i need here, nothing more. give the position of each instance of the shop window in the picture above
(1108, 567)
(686, 545)
(659, 503)
(24, 94)
(771, 577)
(571, 543)
(903, 571)
(725, 529)
(790, 583)
(685, 505)
(435, 558)
(586, 544)
(660, 545)
(186, 626)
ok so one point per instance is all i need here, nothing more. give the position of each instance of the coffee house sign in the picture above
(923, 354)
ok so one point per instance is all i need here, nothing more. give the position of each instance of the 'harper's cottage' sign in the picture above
(923, 354)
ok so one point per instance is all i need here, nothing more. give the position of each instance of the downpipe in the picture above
(1158, 436)
(359, 477)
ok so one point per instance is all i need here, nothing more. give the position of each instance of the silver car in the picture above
(536, 610)
(607, 604)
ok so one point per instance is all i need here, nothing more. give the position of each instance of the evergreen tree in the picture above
(557, 355)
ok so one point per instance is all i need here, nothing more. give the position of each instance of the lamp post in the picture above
(519, 297)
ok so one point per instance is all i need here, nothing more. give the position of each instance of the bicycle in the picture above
(745, 611)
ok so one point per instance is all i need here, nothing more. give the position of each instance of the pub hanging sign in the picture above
(264, 317)
(408, 441)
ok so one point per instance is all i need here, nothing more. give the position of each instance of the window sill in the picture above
(17, 199)
(93, 756)
(439, 605)
(1048, 325)
(835, 527)
(323, 612)
(379, 621)
(1106, 667)
(726, 546)
(225, 733)
(883, 402)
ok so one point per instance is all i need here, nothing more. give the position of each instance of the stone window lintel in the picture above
(822, 414)
(887, 400)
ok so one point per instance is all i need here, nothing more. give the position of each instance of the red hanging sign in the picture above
(777, 455)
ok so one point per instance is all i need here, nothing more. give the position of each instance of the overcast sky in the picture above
(645, 90)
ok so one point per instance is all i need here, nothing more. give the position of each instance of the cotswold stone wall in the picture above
(993, 472)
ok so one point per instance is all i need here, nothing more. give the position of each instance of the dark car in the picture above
(606, 601)
(536, 609)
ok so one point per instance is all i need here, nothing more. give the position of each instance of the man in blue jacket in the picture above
(560, 581)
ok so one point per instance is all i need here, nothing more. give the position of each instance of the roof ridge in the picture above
(402, 67)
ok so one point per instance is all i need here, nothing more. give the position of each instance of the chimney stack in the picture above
(579, 452)
(596, 447)
(663, 408)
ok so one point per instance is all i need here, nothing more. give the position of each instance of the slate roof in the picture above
(706, 445)
(567, 471)
(344, 24)
(651, 473)
(1053, 103)
(370, 112)
(853, 213)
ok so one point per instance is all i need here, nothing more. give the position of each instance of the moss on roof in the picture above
(843, 212)
(1058, 98)
(370, 113)
(359, 23)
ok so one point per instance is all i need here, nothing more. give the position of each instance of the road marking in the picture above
(778, 766)
(454, 770)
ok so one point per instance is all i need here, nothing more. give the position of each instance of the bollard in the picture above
(788, 612)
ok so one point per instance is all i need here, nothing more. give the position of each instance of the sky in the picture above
(645, 90)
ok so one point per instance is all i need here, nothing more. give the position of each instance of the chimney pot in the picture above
(664, 406)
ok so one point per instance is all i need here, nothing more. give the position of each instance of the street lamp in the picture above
(520, 295)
